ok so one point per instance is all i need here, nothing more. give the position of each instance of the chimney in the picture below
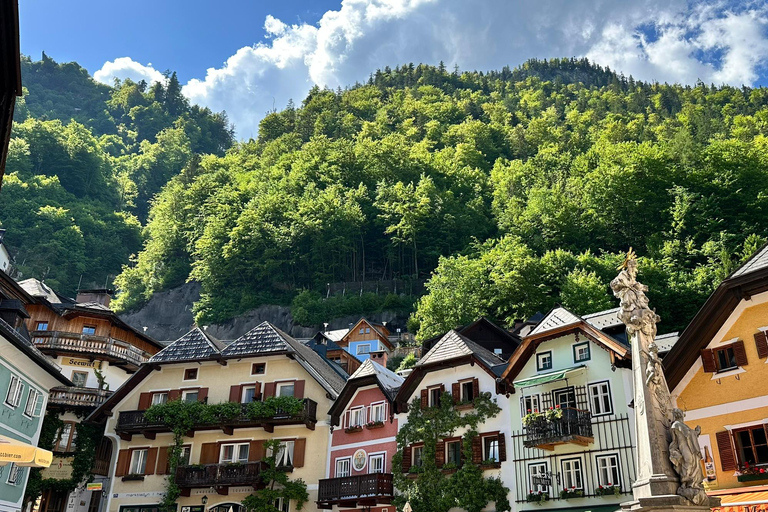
(98, 295)
(381, 357)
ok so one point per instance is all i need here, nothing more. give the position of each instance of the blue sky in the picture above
(247, 56)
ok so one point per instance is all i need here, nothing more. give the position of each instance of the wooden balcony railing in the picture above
(72, 396)
(219, 475)
(60, 341)
(363, 490)
(575, 426)
(100, 467)
(134, 422)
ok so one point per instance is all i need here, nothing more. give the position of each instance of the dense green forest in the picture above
(520, 189)
(84, 163)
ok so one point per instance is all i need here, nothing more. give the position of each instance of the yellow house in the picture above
(718, 375)
(220, 462)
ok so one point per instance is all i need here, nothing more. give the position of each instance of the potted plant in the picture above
(751, 473)
(449, 467)
(573, 492)
(532, 417)
(354, 428)
(537, 496)
(553, 413)
(374, 424)
(605, 490)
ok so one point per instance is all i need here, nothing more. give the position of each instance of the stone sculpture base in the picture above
(667, 503)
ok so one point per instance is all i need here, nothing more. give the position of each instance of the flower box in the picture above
(352, 430)
(465, 406)
(608, 490)
(752, 477)
(374, 424)
(567, 494)
(133, 478)
(537, 497)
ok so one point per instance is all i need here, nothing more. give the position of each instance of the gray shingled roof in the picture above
(453, 346)
(38, 288)
(558, 317)
(758, 261)
(193, 346)
(262, 339)
(389, 381)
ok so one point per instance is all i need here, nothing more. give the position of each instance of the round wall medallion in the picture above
(359, 459)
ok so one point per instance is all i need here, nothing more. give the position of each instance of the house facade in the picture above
(572, 438)
(717, 372)
(364, 338)
(221, 461)
(359, 472)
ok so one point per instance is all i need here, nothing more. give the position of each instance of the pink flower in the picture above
(557, 407)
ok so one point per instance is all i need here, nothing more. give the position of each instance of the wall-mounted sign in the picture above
(94, 486)
(359, 460)
(60, 468)
(543, 481)
(81, 363)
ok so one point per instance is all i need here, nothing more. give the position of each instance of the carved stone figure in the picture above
(685, 454)
(653, 368)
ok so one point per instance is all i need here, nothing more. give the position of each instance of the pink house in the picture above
(362, 443)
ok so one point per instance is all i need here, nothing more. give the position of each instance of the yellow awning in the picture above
(23, 454)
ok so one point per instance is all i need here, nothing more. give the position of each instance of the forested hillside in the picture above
(521, 188)
(85, 161)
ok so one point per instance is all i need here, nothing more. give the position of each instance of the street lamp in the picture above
(204, 500)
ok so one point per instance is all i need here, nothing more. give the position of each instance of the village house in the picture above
(366, 337)
(716, 373)
(221, 461)
(572, 426)
(486, 334)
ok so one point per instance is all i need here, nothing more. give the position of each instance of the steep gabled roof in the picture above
(39, 289)
(192, 346)
(369, 373)
(377, 328)
(756, 262)
(558, 317)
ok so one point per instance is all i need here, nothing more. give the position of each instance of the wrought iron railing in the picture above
(373, 485)
(214, 475)
(89, 344)
(78, 397)
(574, 423)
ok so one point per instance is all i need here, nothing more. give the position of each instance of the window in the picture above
(600, 398)
(544, 361)
(15, 390)
(376, 463)
(285, 454)
(608, 470)
(362, 330)
(343, 467)
(190, 374)
(467, 391)
(453, 452)
(378, 412)
(282, 504)
(14, 474)
(249, 394)
(138, 461)
(751, 445)
(537, 472)
(190, 395)
(285, 389)
(497, 351)
(33, 398)
(565, 398)
(530, 404)
(65, 438)
(357, 417)
(581, 352)
(364, 348)
(41, 326)
(89, 330)
(491, 448)
(231, 453)
(79, 379)
(258, 368)
(725, 358)
(572, 474)
(434, 396)
(159, 398)
(417, 456)
(367, 330)
(186, 451)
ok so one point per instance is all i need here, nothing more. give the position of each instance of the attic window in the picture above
(190, 374)
(258, 368)
(725, 358)
(89, 330)
(544, 361)
(42, 326)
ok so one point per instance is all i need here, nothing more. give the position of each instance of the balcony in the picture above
(353, 491)
(71, 396)
(134, 422)
(110, 349)
(219, 476)
(575, 426)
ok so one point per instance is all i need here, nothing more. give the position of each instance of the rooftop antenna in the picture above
(325, 326)
(80, 282)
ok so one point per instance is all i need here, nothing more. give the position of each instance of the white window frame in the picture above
(362, 330)
(375, 408)
(420, 449)
(579, 346)
(14, 474)
(340, 471)
(357, 416)
(159, 394)
(282, 504)
(285, 453)
(378, 457)
(359, 350)
(525, 400)
(367, 330)
(188, 449)
(535, 469)
(236, 452)
(32, 398)
(140, 457)
(540, 356)
(187, 392)
(575, 467)
(462, 383)
(242, 394)
(280, 385)
(617, 466)
(602, 394)
(494, 438)
(15, 390)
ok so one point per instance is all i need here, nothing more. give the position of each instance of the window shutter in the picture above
(440, 454)
(761, 341)
(456, 392)
(174, 394)
(145, 400)
(406, 464)
(209, 453)
(269, 390)
(502, 448)
(162, 461)
(298, 389)
(256, 451)
(258, 391)
(235, 393)
(740, 353)
(202, 395)
(475, 387)
(424, 400)
(477, 450)
(123, 460)
(151, 461)
(299, 446)
(442, 390)
(708, 360)
(725, 449)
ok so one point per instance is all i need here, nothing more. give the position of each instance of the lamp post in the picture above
(204, 500)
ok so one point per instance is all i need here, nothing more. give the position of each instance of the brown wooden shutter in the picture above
(440, 453)
(209, 453)
(145, 400)
(162, 461)
(299, 446)
(442, 390)
(123, 460)
(740, 353)
(406, 464)
(424, 399)
(298, 389)
(256, 451)
(258, 391)
(477, 450)
(475, 387)
(502, 448)
(725, 449)
(151, 461)
(202, 395)
(761, 342)
(456, 392)
(234, 393)
(174, 394)
(708, 360)
(269, 390)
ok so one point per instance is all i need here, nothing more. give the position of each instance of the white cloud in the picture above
(126, 67)
(663, 40)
